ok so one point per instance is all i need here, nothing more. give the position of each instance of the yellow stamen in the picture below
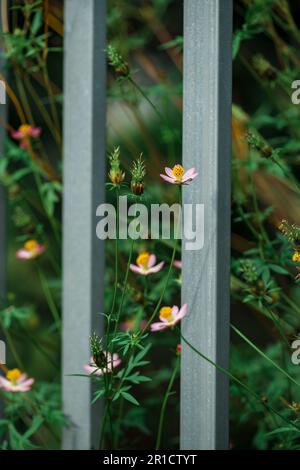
(25, 128)
(13, 375)
(166, 313)
(178, 172)
(143, 259)
(296, 256)
(31, 245)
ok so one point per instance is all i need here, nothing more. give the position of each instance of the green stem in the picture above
(118, 424)
(259, 351)
(243, 385)
(164, 403)
(49, 298)
(124, 287)
(13, 349)
(116, 270)
(102, 431)
(140, 90)
(167, 277)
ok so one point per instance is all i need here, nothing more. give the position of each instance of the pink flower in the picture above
(145, 264)
(24, 133)
(112, 362)
(178, 264)
(31, 249)
(178, 175)
(169, 316)
(15, 381)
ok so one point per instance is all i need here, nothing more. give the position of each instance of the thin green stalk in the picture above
(102, 431)
(164, 403)
(116, 269)
(124, 286)
(49, 298)
(291, 303)
(242, 384)
(118, 424)
(167, 277)
(259, 351)
(140, 90)
(13, 349)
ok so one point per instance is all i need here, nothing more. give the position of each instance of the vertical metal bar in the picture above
(205, 286)
(84, 169)
(3, 117)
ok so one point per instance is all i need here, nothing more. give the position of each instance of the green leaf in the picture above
(279, 269)
(36, 22)
(130, 398)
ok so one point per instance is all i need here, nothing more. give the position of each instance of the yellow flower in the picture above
(296, 257)
(166, 313)
(13, 375)
(178, 171)
(143, 259)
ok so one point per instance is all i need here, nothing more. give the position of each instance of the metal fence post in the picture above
(205, 286)
(3, 117)
(84, 169)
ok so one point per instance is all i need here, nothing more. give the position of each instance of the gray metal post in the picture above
(3, 116)
(205, 287)
(84, 170)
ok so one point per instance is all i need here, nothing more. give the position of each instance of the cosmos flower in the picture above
(31, 249)
(178, 175)
(112, 362)
(24, 133)
(296, 257)
(145, 264)
(169, 316)
(16, 381)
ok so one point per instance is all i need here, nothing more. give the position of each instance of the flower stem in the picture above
(164, 403)
(124, 287)
(168, 276)
(239, 382)
(49, 298)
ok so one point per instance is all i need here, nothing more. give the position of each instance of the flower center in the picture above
(178, 172)
(31, 245)
(13, 375)
(25, 128)
(166, 313)
(296, 256)
(143, 259)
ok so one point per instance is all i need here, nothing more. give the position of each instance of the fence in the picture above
(206, 146)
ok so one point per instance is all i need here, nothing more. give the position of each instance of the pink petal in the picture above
(182, 312)
(169, 180)
(24, 254)
(92, 370)
(17, 135)
(178, 264)
(174, 311)
(152, 261)
(4, 382)
(35, 131)
(136, 269)
(156, 268)
(159, 326)
(169, 172)
(189, 173)
(28, 383)
(190, 178)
